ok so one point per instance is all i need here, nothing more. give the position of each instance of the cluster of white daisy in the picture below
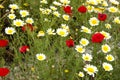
(63, 31)
(111, 7)
(17, 22)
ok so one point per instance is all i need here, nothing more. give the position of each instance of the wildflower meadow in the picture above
(59, 40)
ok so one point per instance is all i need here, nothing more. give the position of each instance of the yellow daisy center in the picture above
(90, 70)
(40, 57)
(80, 49)
(94, 21)
(62, 33)
(18, 23)
(10, 31)
(105, 48)
(107, 67)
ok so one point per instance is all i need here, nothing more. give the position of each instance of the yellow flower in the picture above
(80, 49)
(66, 17)
(24, 13)
(41, 56)
(18, 22)
(66, 70)
(10, 30)
(90, 69)
(107, 66)
(32, 68)
(87, 57)
(81, 74)
(85, 29)
(109, 57)
(106, 48)
(26, 4)
(1, 6)
(94, 21)
(84, 42)
(41, 33)
(62, 32)
(112, 9)
(11, 16)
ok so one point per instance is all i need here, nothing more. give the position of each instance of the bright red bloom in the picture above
(102, 17)
(97, 37)
(82, 9)
(70, 43)
(24, 49)
(67, 9)
(27, 26)
(3, 43)
(4, 71)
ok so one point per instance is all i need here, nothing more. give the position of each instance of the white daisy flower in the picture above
(40, 56)
(10, 30)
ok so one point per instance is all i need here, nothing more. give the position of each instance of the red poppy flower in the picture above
(24, 49)
(67, 9)
(70, 43)
(4, 71)
(82, 9)
(27, 26)
(97, 38)
(102, 17)
(3, 43)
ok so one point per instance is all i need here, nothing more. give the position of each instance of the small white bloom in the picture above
(53, 8)
(41, 56)
(90, 69)
(56, 13)
(106, 48)
(18, 22)
(51, 31)
(11, 16)
(62, 32)
(113, 9)
(87, 57)
(66, 17)
(86, 30)
(107, 66)
(80, 49)
(109, 57)
(24, 13)
(57, 3)
(41, 33)
(81, 74)
(13, 6)
(84, 42)
(10, 30)
(44, 1)
(29, 20)
(94, 21)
